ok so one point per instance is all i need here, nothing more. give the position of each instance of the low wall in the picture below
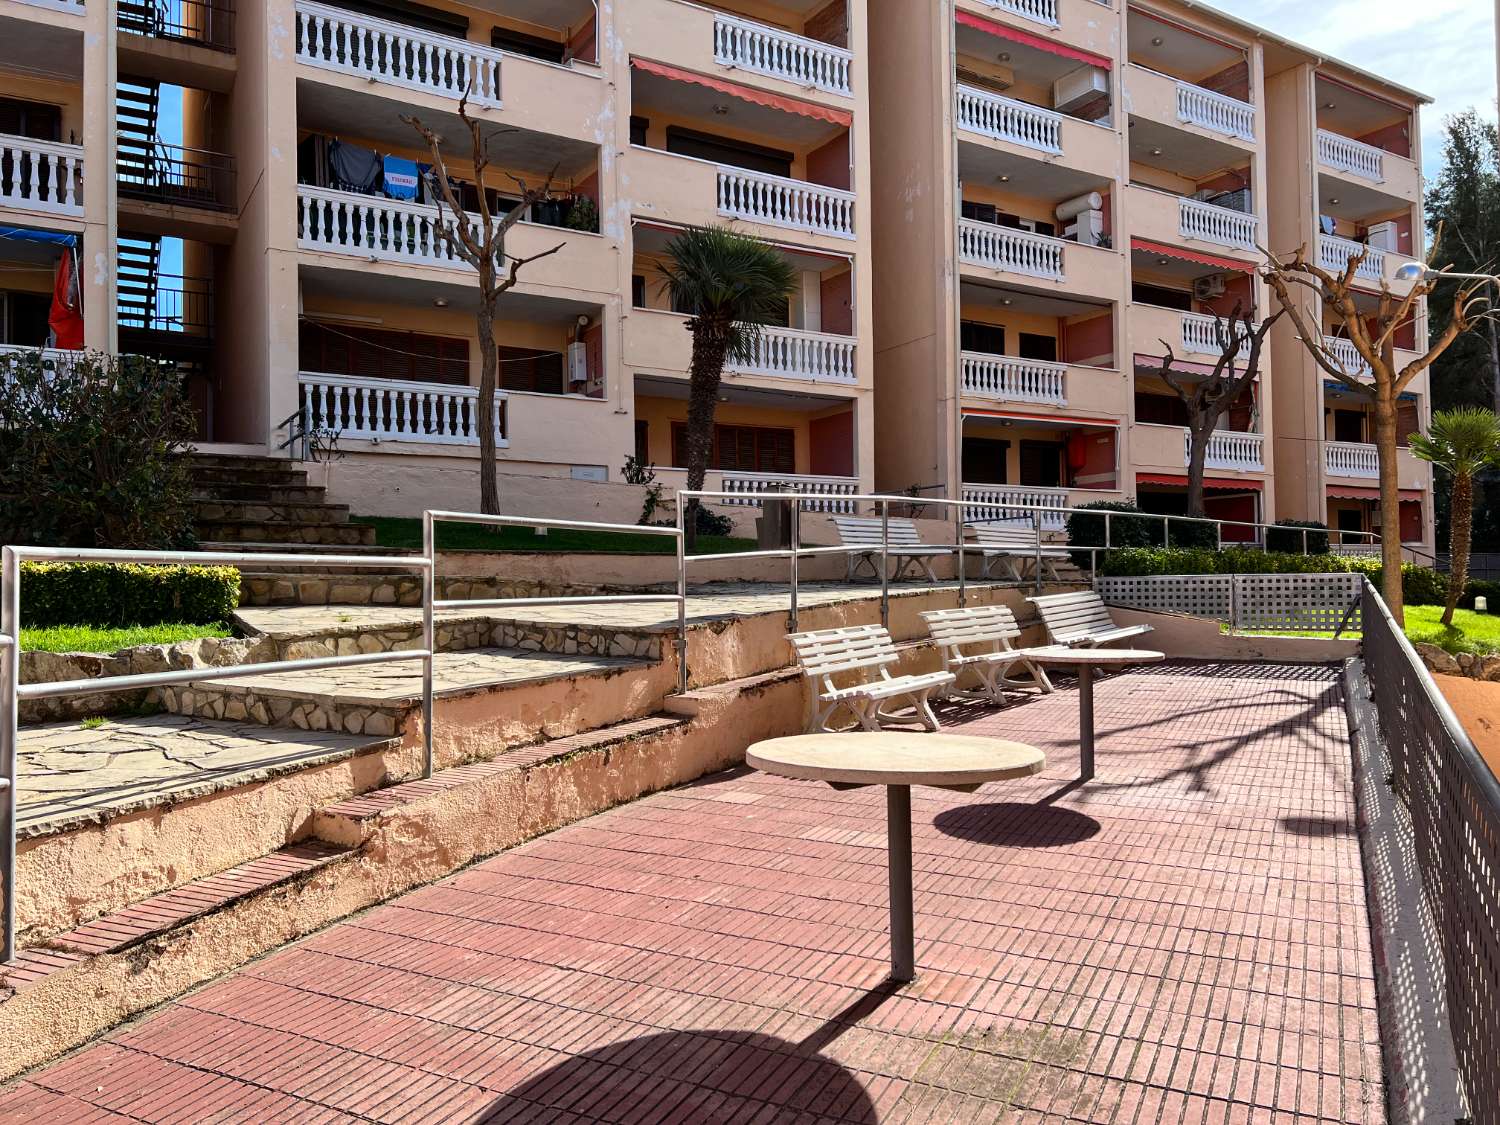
(1179, 635)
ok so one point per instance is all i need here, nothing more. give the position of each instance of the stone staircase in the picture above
(244, 501)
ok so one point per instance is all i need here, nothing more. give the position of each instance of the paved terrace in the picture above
(1182, 940)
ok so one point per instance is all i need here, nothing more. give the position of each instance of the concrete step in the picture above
(243, 462)
(211, 478)
(215, 510)
(241, 532)
(265, 493)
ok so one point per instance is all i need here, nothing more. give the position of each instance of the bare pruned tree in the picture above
(1374, 338)
(1208, 399)
(480, 241)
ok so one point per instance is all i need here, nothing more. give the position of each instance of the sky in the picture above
(1442, 48)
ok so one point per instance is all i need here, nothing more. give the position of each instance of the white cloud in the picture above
(1442, 48)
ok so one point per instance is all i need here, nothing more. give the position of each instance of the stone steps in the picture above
(241, 532)
(213, 510)
(261, 493)
(263, 475)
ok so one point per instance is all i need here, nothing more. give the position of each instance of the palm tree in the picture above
(731, 286)
(1463, 443)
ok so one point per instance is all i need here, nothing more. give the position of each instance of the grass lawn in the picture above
(1470, 631)
(399, 533)
(87, 638)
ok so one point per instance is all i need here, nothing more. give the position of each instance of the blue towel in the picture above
(400, 177)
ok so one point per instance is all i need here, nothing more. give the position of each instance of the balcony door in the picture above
(723, 150)
(381, 353)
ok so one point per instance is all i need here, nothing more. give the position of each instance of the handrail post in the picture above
(885, 563)
(963, 590)
(796, 529)
(10, 661)
(1218, 535)
(429, 636)
(1304, 539)
(1036, 564)
(681, 544)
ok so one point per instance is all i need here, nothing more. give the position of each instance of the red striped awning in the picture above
(1147, 246)
(746, 93)
(1229, 483)
(1000, 31)
(1359, 492)
(1110, 423)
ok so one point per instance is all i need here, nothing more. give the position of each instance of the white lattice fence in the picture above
(1310, 603)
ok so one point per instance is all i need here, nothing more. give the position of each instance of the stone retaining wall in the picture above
(1464, 664)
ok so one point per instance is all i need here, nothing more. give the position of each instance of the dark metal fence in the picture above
(1454, 803)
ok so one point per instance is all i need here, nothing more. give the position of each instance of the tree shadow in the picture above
(1014, 824)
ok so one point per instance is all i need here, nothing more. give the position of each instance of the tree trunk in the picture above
(1390, 503)
(1201, 431)
(1492, 337)
(710, 351)
(1460, 529)
(489, 362)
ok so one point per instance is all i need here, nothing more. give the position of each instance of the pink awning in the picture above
(1193, 256)
(746, 93)
(1208, 482)
(1359, 492)
(999, 30)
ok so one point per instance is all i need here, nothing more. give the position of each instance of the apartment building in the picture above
(246, 199)
(1065, 189)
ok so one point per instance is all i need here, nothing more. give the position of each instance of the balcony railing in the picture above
(1334, 254)
(780, 202)
(1351, 459)
(780, 54)
(1348, 356)
(374, 227)
(1215, 111)
(794, 354)
(1007, 379)
(753, 484)
(1006, 119)
(1200, 334)
(170, 173)
(1006, 248)
(167, 303)
(208, 23)
(1221, 225)
(1026, 498)
(1349, 155)
(1229, 449)
(351, 43)
(1039, 11)
(396, 410)
(41, 175)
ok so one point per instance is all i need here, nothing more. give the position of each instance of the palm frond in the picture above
(714, 273)
(1462, 441)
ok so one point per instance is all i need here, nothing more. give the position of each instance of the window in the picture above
(638, 290)
(1041, 463)
(1160, 410)
(37, 120)
(1348, 425)
(1143, 294)
(1038, 347)
(980, 212)
(984, 461)
(760, 449)
(26, 318)
(527, 369)
(974, 336)
(411, 15)
(723, 150)
(383, 353)
(532, 46)
(643, 442)
(638, 129)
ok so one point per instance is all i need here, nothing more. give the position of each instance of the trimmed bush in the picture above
(1289, 542)
(1481, 587)
(1186, 534)
(1087, 530)
(113, 595)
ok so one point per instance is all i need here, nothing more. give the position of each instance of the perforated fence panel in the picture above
(1202, 595)
(1312, 603)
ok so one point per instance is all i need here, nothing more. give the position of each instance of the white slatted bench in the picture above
(905, 546)
(1083, 619)
(989, 629)
(862, 653)
(1015, 546)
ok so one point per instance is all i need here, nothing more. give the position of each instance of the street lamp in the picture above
(1418, 271)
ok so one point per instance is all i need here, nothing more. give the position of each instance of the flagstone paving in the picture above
(1183, 939)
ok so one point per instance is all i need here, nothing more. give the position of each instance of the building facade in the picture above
(1060, 186)
(1065, 190)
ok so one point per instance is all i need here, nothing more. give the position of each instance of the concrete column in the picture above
(100, 218)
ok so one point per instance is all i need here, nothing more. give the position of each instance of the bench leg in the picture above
(924, 709)
(927, 566)
(869, 714)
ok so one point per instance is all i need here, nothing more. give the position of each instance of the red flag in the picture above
(66, 317)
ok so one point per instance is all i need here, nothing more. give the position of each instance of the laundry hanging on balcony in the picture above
(354, 167)
(400, 177)
(66, 316)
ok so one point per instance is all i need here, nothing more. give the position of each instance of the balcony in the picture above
(789, 353)
(1229, 449)
(41, 176)
(754, 484)
(758, 47)
(1348, 155)
(1175, 102)
(1200, 334)
(1010, 250)
(205, 23)
(397, 55)
(1348, 357)
(780, 202)
(1009, 379)
(158, 172)
(396, 410)
(1334, 254)
(1219, 225)
(1005, 119)
(1215, 112)
(1351, 459)
(1043, 12)
(1026, 498)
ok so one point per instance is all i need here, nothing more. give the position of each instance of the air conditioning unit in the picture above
(1207, 288)
(1382, 236)
(1078, 88)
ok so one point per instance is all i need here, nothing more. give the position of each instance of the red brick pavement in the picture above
(1183, 939)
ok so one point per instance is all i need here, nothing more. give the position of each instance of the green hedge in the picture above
(113, 595)
(1420, 585)
(1287, 536)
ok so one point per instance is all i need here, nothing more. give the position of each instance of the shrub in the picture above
(1485, 588)
(713, 523)
(1184, 533)
(113, 595)
(1290, 542)
(89, 452)
(1085, 529)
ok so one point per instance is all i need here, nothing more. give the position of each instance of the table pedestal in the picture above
(898, 852)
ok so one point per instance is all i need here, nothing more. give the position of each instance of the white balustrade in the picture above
(41, 175)
(1196, 219)
(1006, 119)
(1349, 155)
(793, 354)
(753, 485)
(1229, 449)
(1334, 254)
(397, 410)
(1009, 249)
(1038, 11)
(372, 226)
(1200, 333)
(1008, 379)
(1020, 503)
(1215, 111)
(1351, 459)
(1348, 356)
(780, 54)
(393, 53)
(780, 202)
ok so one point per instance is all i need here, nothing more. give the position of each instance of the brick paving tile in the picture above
(1184, 940)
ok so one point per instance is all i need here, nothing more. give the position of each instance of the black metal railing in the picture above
(1453, 799)
(171, 173)
(173, 304)
(208, 23)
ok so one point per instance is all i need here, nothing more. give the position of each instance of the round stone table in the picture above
(898, 760)
(1085, 660)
